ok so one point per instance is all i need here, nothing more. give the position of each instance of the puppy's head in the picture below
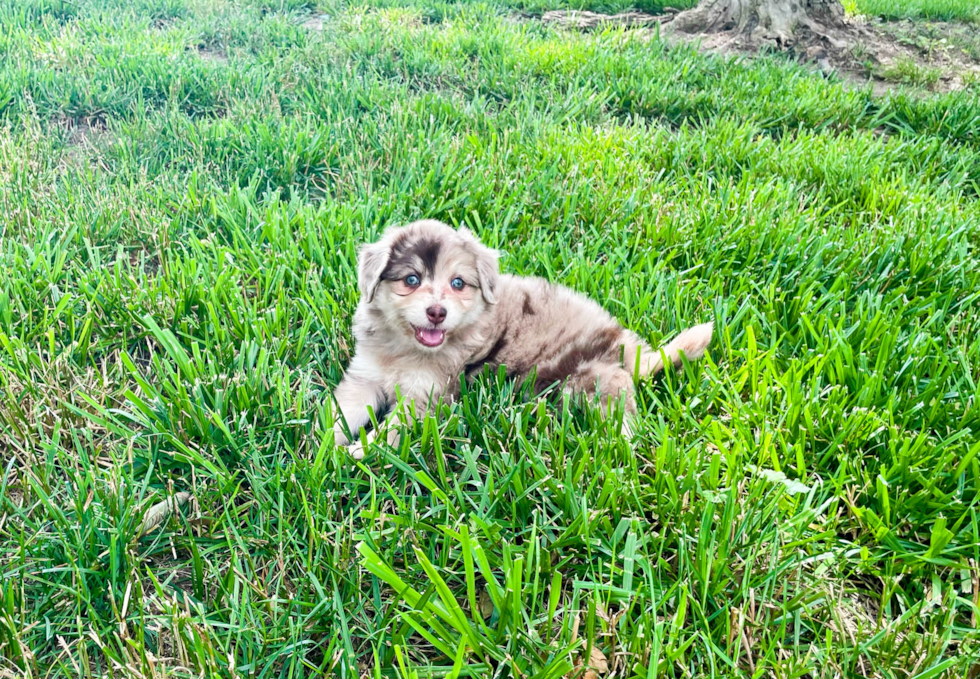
(429, 281)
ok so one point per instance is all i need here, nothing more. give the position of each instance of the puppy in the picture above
(434, 307)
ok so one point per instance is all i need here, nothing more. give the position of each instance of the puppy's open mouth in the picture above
(430, 337)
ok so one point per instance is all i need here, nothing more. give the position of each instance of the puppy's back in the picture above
(554, 329)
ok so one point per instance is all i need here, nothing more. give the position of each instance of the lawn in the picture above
(183, 186)
(939, 10)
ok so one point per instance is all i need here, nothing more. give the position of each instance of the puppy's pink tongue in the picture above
(430, 337)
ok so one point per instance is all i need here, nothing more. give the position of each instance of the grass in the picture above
(183, 186)
(935, 10)
(907, 71)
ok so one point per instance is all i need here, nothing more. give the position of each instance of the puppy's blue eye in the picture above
(412, 280)
(457, 283)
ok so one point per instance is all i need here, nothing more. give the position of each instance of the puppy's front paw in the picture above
(394, 437)
(356, 450)
(339, 437)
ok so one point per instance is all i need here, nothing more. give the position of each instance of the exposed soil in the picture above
(208, 54)
(84, 130)
(85, 134)
(947, 53)
(934, 56)
(162, 23)
(316, 23)
(141, 260)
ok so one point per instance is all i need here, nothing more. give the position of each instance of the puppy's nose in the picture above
(436, 314)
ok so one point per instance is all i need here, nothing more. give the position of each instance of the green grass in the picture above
(183, 186)
(936, 10)
(907, 71)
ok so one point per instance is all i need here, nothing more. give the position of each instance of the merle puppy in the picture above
(434, 306)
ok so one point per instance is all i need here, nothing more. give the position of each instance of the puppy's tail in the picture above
(691, 343)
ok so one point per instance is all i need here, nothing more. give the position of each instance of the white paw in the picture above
(356, 450)
(339, 438)
(627, 429)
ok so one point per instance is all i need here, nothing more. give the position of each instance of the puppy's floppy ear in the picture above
(486, 266)
(371, 263)
(489, 273)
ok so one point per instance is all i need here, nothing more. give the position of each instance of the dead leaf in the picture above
(577, 673)
(161, 511)
(597, 661)
(203, 522)
(486, 604)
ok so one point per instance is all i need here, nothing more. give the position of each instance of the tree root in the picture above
(781, 24)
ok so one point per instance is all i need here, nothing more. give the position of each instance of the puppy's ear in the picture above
(486, 266)
(489, 273)
(371, 263)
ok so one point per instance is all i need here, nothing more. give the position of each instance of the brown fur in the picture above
(525, 324)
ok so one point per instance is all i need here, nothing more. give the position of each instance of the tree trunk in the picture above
(777, 22)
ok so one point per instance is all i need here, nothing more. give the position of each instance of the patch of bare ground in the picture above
(84, 130)
(316, 23)
(85, 133)
(942, 52)
(215, 54)
(162, 23)
(933, 56)
(141, 260)
(863, 53)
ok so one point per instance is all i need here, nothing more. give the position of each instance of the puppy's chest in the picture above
(416, 380)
